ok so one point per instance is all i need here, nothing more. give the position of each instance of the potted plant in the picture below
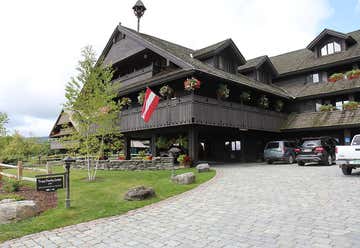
(353, 74)
(162, 143)
(166, 91)
(352, 105)
(327, 108)
(192, 84)
(263, 102)
(184, 160)
(141, 97)
(223, 91)
(336, 77)
(245, 97)
(125, 102)
(279, 105)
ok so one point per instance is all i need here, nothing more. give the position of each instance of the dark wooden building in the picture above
(269, 97)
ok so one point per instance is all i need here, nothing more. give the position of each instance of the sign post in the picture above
(68, 161)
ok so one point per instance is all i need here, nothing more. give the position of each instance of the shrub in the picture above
(183, 158)
(11, 186)
(327, 107)
(182, 141)
(351, 105)
(162, 142)
(11, 196)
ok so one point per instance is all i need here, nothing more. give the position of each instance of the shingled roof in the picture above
(185, 55)
(323, 89)
(313, 120)
(304, 59)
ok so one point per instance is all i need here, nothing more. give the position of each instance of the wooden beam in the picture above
(193, 136)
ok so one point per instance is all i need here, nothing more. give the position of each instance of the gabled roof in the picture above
(256, 63)
(305, 59)
(182, 56)
(329, 32)
(216, 48)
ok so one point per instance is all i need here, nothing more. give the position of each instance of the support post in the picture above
(153, 145)
(127, 148)
(20, 170)
(193, 143)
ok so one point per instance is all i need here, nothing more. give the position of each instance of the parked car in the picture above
(283, 150)
(348, 157)
(318, 149)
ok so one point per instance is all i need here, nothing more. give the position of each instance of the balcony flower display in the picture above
(125, 102)
(336, 77)
(279, 105)
(184, 160)
(263, 102)
(245, 97)
(191, 84)
(326, 108)
(353, 74)
(141, 97)
(223, 91)
(351, 105)
(166, 91)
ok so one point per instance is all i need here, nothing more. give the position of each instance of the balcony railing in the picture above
(193, 109)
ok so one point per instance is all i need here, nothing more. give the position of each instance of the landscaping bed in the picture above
(102, 198)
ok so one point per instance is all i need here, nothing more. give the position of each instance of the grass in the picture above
(102, 198)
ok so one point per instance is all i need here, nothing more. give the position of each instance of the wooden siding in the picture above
(139, 75)
(193, 109)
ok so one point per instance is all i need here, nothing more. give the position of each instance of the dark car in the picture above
(319, 150)
(280, 151)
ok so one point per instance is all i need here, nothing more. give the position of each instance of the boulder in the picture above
(11, 210)
(139, 193)
(203, 167)
(186, 178)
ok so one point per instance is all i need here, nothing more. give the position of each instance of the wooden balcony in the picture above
(139, 75)
(193, 109)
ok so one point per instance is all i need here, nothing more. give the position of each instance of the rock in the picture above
(11, 210)
(139, 193)
(203, 167)
(186, 178)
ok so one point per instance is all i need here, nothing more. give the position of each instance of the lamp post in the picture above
(68, 160)
(139, 10)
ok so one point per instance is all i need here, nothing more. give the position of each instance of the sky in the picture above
(41, 40)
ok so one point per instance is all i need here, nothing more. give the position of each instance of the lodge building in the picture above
(240, 104)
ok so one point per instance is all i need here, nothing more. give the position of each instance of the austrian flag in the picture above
(150, 103)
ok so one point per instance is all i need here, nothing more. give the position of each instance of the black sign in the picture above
(49, 183)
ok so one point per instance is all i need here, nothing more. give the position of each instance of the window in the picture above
(315, 78)
(233, 145)
(330, 48)
(318, 106)
(339, 104)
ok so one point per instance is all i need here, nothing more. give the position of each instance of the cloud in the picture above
(41, 40)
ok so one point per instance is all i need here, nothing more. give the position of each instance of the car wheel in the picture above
(301, 163)
(291, 159)
(346, 170)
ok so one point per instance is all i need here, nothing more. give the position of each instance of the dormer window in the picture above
(330, 48)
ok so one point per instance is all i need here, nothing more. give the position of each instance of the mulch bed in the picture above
(43, 200)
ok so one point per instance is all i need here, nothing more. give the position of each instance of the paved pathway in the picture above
(245, 206)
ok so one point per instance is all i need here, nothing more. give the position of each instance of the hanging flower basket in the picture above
(141, 97)
(223, 91)
(191, 84)
(125, 102)
(166, 91)
(245, 97)
(263, 102)
(279, 105)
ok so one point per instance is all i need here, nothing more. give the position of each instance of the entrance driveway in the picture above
(252, 205)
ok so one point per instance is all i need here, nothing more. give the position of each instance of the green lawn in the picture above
(92, 200)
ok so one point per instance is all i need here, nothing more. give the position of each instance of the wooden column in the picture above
(20, 170)
(193, 137)
(153, 145)
(127, 147)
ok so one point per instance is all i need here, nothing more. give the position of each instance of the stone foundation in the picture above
(157, 163)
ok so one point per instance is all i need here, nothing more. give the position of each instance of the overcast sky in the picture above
(41, 39)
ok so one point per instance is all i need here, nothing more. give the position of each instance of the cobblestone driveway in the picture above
(245, 206)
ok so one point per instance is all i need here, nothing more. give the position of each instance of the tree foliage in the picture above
(90, 101)
(3, 121)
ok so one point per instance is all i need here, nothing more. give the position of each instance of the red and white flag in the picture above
(150, 103)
